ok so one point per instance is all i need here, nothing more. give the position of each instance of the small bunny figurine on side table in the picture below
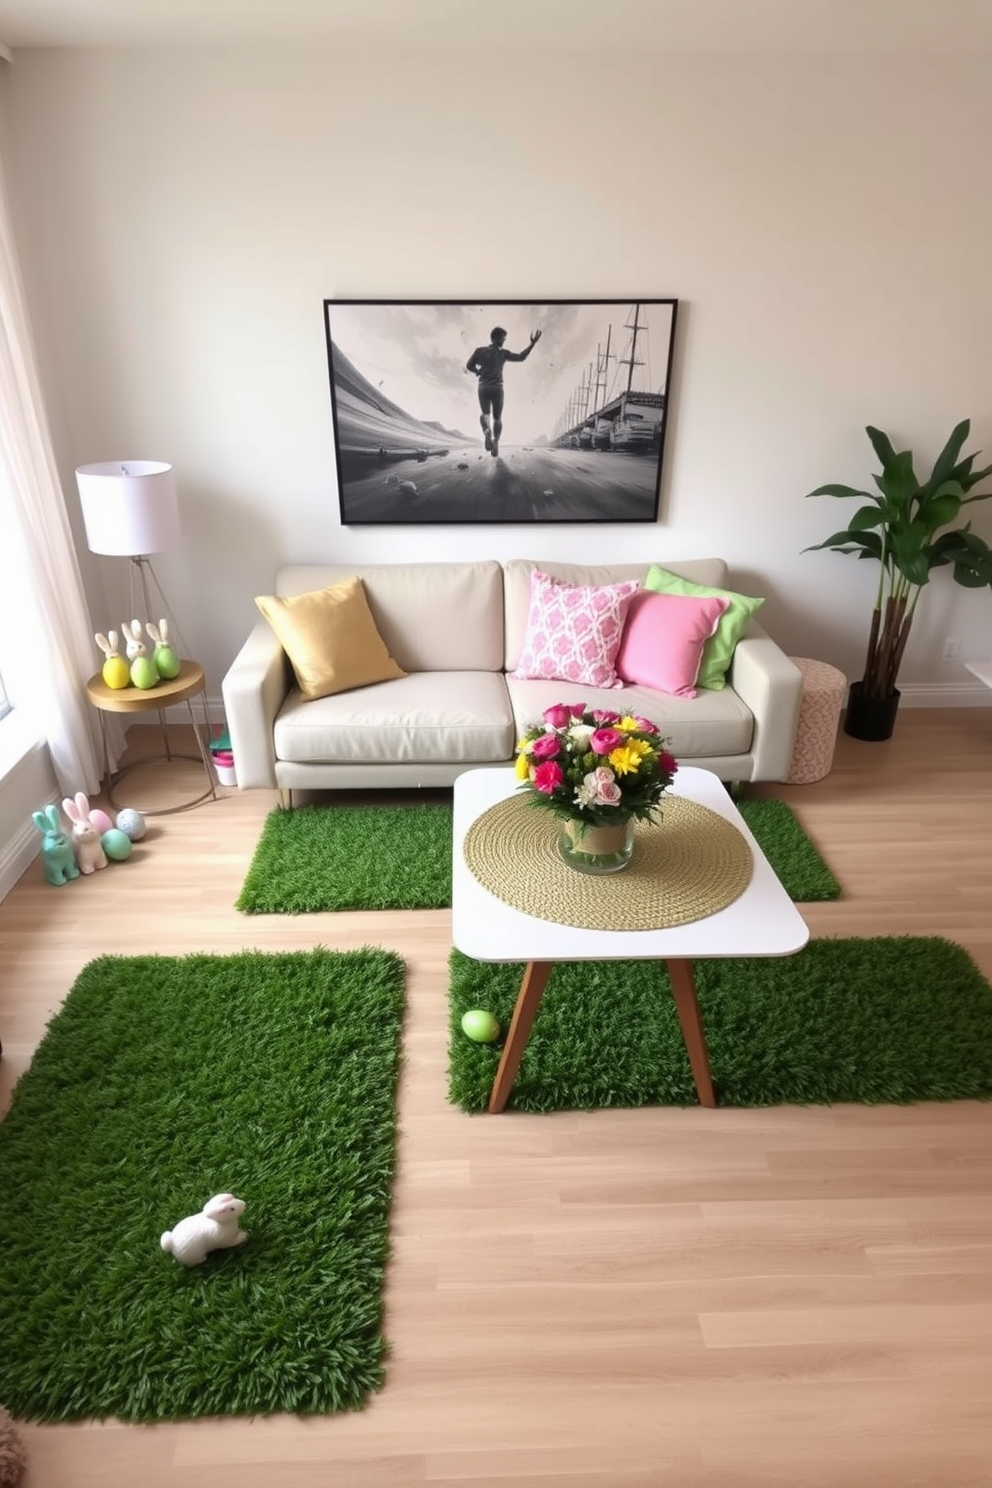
(216, 1228)
(86, 842)
(115, 672)
(167, 663)
(57, 857)
(144, 673)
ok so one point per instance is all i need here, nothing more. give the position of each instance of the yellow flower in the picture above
(626, 760)
(627, 725)
(522, 767)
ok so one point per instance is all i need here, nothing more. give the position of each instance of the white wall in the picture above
(825, 225)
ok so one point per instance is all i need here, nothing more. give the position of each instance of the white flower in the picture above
(581, 734)
(586, 793)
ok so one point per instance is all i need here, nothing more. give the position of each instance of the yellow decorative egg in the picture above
(116, 672)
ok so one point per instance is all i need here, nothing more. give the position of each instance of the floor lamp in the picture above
(130, 511)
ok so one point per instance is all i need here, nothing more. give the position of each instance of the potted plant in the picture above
(906, 528)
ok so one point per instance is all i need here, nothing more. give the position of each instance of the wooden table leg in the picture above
(535, 979)
(687, 1006)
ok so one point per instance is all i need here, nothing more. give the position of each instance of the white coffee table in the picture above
(763, 921)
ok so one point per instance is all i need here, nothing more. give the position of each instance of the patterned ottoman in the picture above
(819, 714)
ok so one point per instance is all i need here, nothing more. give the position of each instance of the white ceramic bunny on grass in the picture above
(86, 842)
(216, 1228)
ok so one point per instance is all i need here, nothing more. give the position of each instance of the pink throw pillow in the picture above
(574, 630)
(663, 640)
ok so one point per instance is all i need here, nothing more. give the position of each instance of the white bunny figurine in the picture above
(132, 639)
(144, 672)
(216, 1228)
(86, 842)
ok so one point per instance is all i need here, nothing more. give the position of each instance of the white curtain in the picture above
(49, 648)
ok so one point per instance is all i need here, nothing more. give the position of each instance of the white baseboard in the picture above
(17, 855)
(945, 695)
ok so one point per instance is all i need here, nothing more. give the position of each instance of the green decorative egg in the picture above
(167, 662)
(116, 844)
(480, 1026)
(144, 673)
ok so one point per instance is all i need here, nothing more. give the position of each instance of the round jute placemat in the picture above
(689, 865)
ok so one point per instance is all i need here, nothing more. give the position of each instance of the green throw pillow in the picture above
(719, 649)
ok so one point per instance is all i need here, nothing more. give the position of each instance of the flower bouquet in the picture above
(599, 772)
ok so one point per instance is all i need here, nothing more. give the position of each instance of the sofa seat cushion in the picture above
(424, 718)
(708, 726)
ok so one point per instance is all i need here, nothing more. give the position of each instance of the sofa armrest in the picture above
(253, 690)
(772, 687)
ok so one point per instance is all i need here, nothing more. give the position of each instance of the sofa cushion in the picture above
(574, 630)
(516, 586)
(710, 725)
(422, 718)
(663, 640)
(330, 638)
(433, 617)
(718, 652)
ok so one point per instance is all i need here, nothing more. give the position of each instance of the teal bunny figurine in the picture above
(57, 857)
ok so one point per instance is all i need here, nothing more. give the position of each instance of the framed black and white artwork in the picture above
(502, 411)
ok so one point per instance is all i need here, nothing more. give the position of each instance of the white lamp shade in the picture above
(129, 507)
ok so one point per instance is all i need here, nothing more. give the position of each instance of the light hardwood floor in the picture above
(687, 1298)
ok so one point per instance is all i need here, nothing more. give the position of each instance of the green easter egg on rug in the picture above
(480, 1026)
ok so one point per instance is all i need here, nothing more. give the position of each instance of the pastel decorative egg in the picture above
(144, 672)
(131, 823)
(116, 672)
(100, 820)
(167, 663)
(116, 845)
(480, 1026)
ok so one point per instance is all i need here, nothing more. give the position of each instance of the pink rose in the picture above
(645, 725)
(547, 777)
(545, 746)
(607, 790)
(667, 762)
(605, 740)
(560, 715)
(603, 715)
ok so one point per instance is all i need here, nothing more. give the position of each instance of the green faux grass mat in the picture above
(885, 1020)
(165, 1080)
(399, 857)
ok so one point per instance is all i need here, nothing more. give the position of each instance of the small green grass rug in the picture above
(399, 857)
(162, 1081)
(885, 1020)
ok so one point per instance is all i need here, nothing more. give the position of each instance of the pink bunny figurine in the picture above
(86, 842)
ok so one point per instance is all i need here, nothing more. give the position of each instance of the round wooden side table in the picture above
(189, 684)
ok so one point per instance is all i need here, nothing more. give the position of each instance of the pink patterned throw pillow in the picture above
(574, 630)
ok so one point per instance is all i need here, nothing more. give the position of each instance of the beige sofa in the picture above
(457, 629)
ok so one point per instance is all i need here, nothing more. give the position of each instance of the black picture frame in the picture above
(583, 409)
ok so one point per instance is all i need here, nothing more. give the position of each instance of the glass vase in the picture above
(591, 849)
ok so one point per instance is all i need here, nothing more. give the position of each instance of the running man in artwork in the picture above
(487, 364)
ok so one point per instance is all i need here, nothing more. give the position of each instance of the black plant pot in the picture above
(868, 717)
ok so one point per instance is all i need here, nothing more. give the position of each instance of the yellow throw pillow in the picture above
(330, 637)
